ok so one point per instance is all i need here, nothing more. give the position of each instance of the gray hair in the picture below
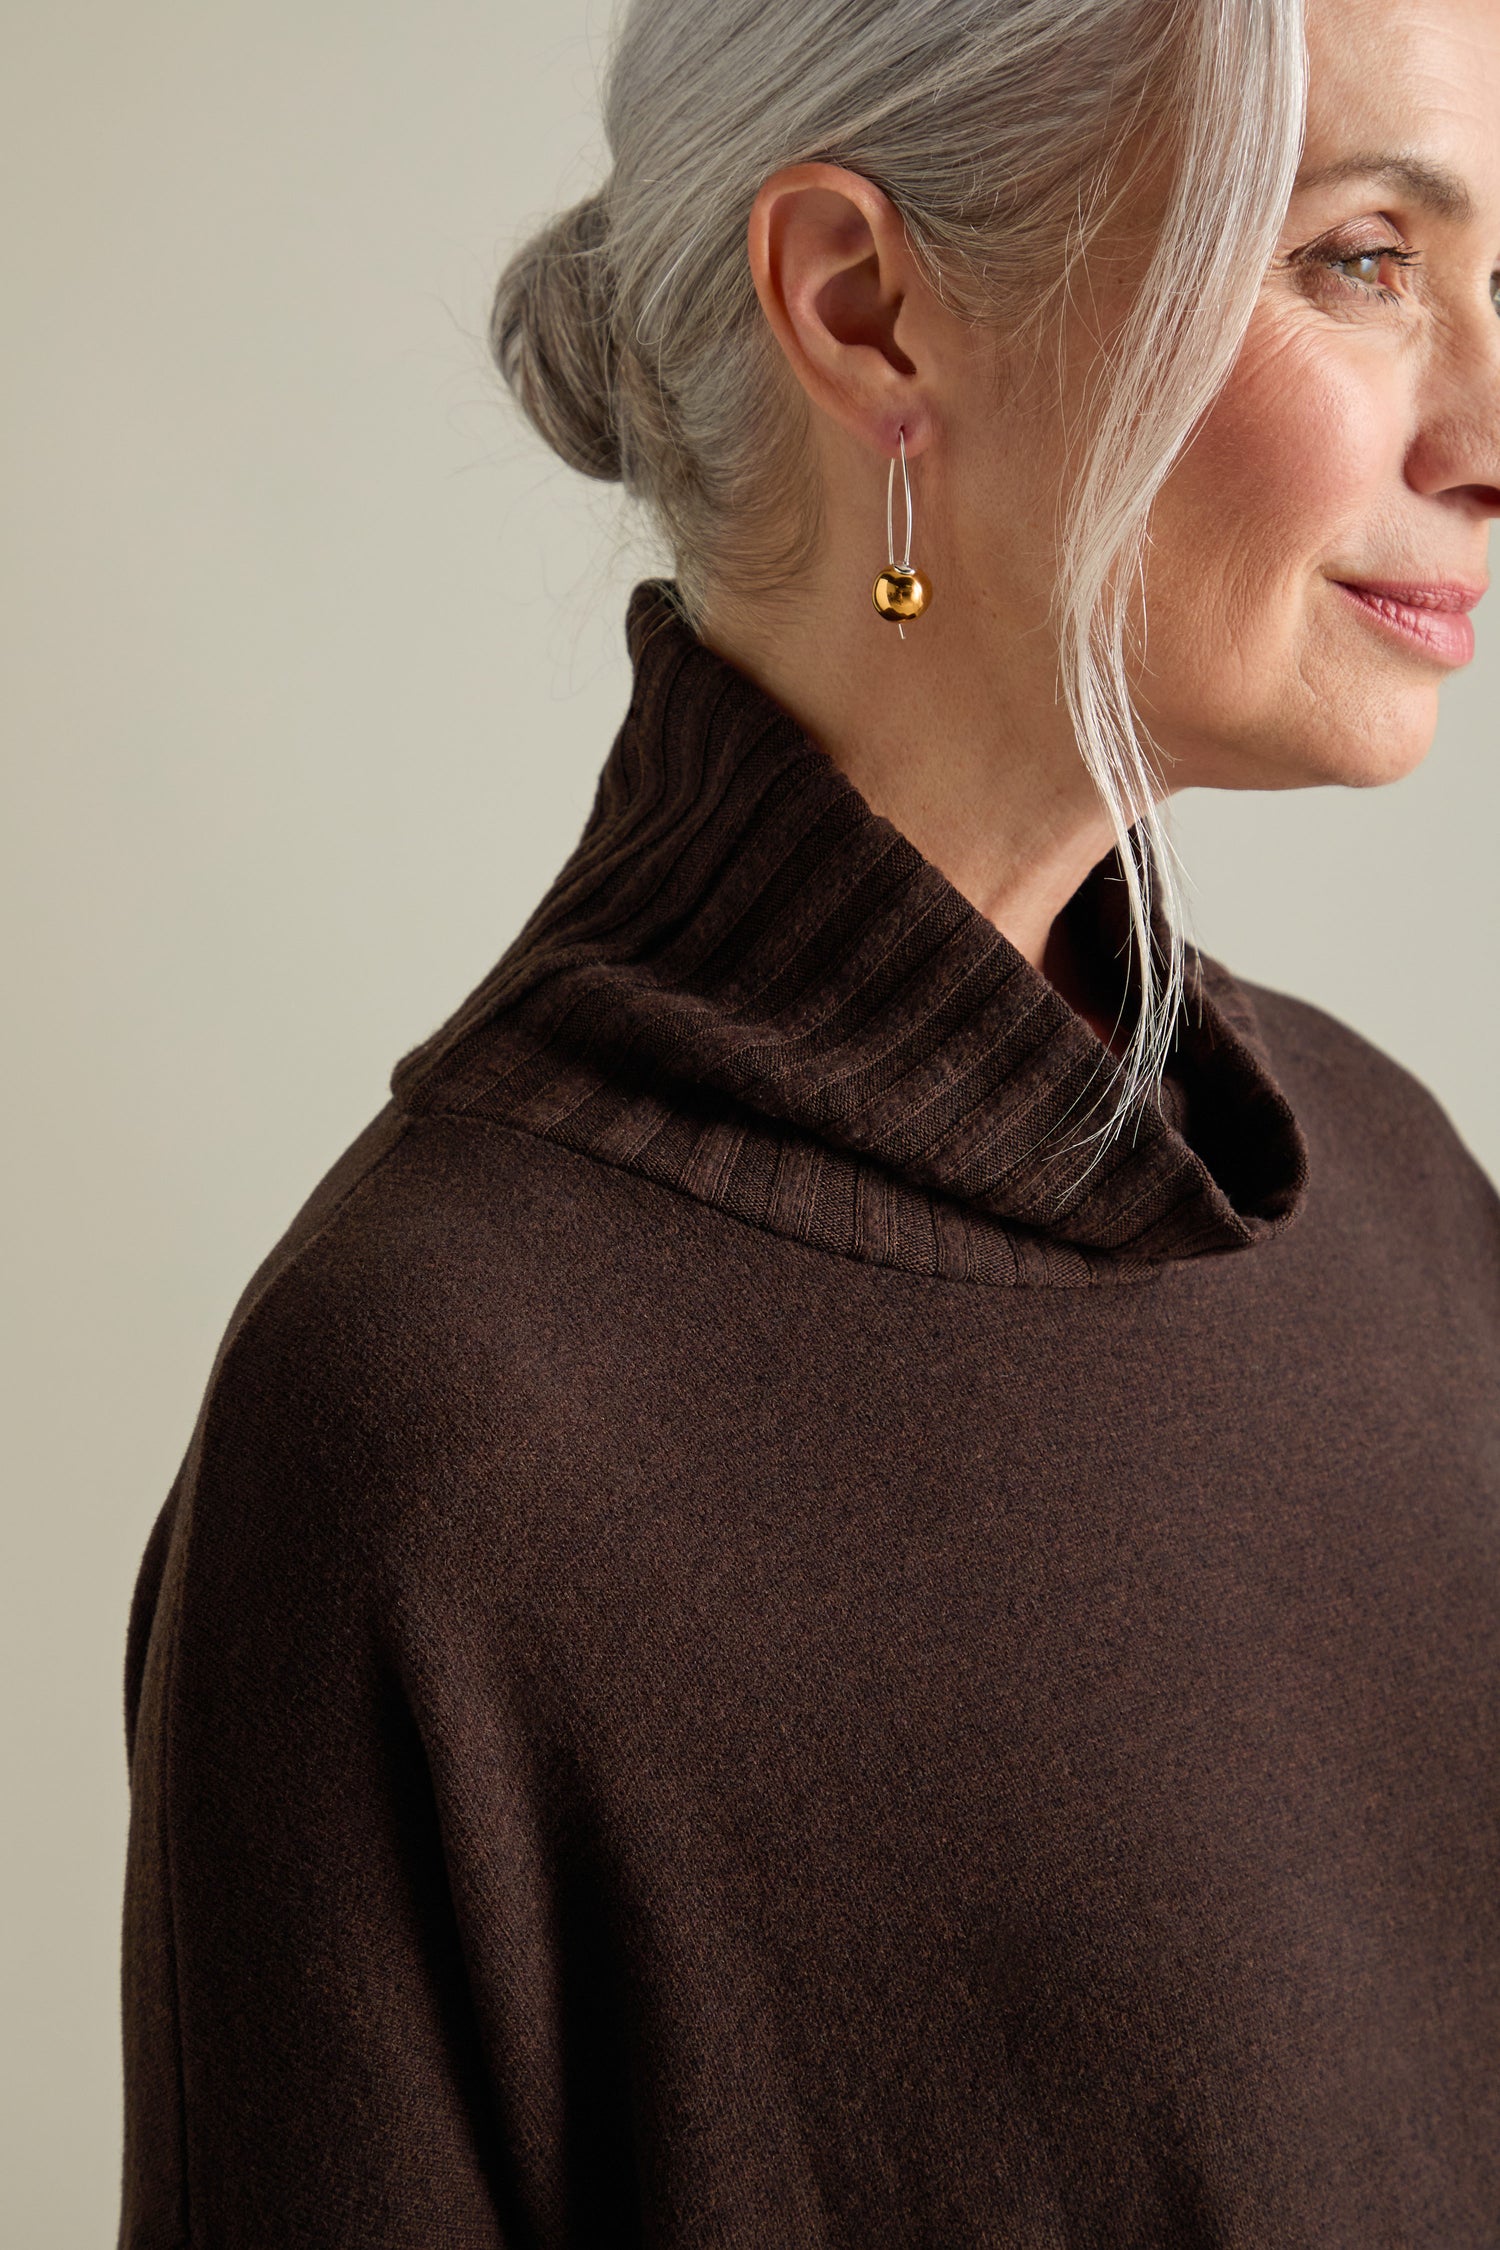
(630, 331)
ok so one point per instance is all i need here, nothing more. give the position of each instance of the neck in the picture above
(973, 761)
(748, 985)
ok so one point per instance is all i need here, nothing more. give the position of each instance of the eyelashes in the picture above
(1326, 258)
(1334, 261)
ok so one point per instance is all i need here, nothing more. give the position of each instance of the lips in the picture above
(1447, 594)
(1429, 617)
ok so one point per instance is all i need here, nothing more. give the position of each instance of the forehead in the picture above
(1420, 76)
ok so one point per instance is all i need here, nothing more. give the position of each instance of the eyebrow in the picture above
(1442, 191)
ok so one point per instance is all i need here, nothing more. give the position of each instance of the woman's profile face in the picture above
(1358, 438)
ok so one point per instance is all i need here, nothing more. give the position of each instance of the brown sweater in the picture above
(747, 1654)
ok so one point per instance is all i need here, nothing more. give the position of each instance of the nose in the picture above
(1455, 452)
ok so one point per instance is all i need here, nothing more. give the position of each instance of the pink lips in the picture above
(1431, 617)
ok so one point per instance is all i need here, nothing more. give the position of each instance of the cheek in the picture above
(1287, 478)
(1252, 676)
(1294, 456)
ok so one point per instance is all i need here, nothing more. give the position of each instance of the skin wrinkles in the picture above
(1355, 438)
(1352, 411)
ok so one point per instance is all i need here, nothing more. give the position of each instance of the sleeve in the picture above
(303, 2064)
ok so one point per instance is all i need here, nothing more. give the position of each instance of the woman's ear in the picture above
(842, 291)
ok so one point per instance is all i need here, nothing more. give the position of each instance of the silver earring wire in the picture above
(890, 515)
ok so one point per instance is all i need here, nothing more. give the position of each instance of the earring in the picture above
(900, 592)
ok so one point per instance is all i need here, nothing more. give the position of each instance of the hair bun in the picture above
(552, 335)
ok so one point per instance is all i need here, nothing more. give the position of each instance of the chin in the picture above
(1335, 734)
(1375, 738)
(1382, 763)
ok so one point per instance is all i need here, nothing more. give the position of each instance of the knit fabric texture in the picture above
(757, 1647)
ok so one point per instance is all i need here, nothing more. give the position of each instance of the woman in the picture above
(841, 1585)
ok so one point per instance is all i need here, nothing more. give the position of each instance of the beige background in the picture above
(311, 658)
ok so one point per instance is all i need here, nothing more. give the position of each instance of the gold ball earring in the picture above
(899, 592)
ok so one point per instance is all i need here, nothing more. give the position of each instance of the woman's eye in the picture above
(1370, 260)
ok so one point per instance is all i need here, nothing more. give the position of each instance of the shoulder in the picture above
(413, 1350)
(405, 1274)
(1327, 1060)
(1371, 1123)
(424, 1387)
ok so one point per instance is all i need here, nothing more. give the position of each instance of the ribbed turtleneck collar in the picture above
(748, 985)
